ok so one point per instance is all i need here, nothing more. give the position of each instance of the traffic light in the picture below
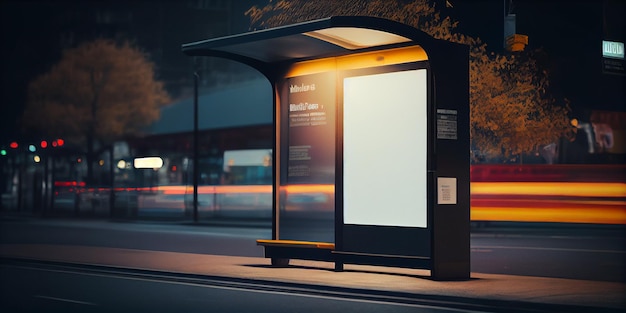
(58, 143)
(3, 152)
(44, 144)
(13, 145)
(516, 42)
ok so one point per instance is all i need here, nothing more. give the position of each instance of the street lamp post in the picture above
(196, 170)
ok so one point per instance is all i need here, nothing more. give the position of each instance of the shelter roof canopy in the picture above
(331, 36)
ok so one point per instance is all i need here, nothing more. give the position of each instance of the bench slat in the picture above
(296, 243)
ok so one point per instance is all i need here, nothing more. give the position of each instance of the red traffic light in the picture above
(44, 144)
(13, 145)
(60, 142)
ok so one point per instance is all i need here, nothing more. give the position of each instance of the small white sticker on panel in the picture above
(446, 190)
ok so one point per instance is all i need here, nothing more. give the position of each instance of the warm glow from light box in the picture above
(390, 110)
(359, 60)
(356, 38)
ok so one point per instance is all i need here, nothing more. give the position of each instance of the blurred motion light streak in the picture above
(558, 202)
(594, 215)
(573, 189)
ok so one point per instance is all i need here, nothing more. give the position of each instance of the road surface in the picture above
(563, 251)
(39, 287)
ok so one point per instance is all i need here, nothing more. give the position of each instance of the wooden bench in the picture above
(280, 251)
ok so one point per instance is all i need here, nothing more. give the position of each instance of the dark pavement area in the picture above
(233, 258)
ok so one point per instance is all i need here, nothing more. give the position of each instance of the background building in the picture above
(35, 32)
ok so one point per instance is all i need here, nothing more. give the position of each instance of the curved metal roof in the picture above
(332, 36)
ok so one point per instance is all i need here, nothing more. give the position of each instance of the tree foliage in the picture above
(98, 92)
(511, 111)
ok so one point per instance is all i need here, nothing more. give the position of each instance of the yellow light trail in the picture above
(578, 189)
(578, 207)
(593, 215)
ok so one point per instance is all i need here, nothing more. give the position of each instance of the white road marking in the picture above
(482, 248)
(64, 300)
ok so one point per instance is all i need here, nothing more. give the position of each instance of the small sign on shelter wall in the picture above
(446, 190)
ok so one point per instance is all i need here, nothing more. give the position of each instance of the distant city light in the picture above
(58, 143)
(148, 162)
(613, 49)
(3, 152)
(37, 159)
(44, 144)
(32, 148)
(101, 162)
(121, 164)
(13, 145)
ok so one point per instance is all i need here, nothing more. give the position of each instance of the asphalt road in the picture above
(565, 251)
(586, 252)
(50, 288)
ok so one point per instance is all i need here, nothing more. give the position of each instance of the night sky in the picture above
(570, 34)
(569, 31)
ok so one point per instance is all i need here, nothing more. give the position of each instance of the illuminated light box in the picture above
(384, 170)
(382, 97)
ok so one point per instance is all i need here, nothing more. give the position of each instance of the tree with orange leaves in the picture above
(97, 93)
(511, 111)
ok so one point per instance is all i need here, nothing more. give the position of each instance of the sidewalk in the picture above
(538, 290)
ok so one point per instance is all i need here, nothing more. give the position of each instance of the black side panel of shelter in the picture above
(451, 222)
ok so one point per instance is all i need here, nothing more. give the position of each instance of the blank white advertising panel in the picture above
(385, 149)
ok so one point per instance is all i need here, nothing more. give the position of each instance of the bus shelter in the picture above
(374, 114)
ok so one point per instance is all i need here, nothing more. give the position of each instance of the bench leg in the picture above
(338, 266)
(280, 262)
